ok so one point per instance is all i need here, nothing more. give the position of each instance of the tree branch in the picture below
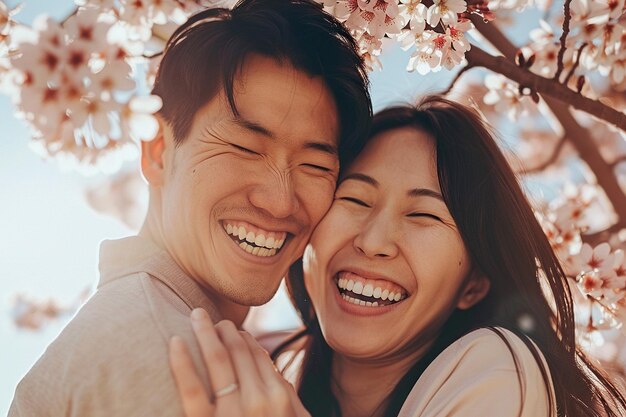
(578, 136)
(618, 161)
(456, 78)
(479, 58)
(595, 239)
(551, 160)
(571, 72)
(566, 19)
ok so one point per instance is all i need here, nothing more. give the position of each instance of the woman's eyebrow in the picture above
(361, 177)
(425, 192)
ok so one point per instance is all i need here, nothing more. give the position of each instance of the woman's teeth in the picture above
(367, 294)
(256, 242)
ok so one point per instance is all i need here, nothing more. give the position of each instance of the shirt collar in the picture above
(135, 254)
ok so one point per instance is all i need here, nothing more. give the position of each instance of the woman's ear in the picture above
(476, 288)
(152, 155)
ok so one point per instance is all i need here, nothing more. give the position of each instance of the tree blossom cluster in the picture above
(76, 83)
(594, 45)
(33, 314)
(597, 273)
(435, 34)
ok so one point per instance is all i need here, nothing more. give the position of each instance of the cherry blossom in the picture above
(32, 314)
(414, 13)
(445, 11)
(505, 96)
(4, 19)
(377, 17)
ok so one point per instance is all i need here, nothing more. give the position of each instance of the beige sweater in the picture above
(112, 358)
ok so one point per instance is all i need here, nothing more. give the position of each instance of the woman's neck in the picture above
(362, 387)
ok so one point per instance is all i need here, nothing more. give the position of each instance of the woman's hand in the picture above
(243, 376)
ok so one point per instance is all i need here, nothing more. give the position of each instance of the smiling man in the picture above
(261, 107)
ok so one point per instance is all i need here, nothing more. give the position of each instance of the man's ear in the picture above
(152, 155)
(476, 288)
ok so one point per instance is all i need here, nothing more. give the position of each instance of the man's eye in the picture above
(432, 216)
(355, 201)
(242, 149)
(318, 167)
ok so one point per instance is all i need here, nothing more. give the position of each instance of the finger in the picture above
(214, 353)
(253, 390)
(271, 375)
(194, 398)
(267, 369)
(276, 387)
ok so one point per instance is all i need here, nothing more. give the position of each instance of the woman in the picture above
(422, 294)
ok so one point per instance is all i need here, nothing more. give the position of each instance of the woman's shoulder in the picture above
(489, 371)
(496, 348)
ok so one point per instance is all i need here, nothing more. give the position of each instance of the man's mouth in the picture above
(254, 240)
(358, 290)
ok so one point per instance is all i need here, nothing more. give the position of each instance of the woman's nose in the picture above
(377, 238)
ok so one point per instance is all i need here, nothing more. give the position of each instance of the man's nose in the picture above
(276, 195)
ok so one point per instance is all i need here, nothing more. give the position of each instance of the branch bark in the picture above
(551, 160)
(566, 19)
(578, 136)
(547, 87)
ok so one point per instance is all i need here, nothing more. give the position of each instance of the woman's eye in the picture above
(355, 201)
(432, 216)
(318, 167)
(242, 149)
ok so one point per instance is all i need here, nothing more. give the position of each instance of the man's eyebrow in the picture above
(361, 177)
(257, 128)
(425, 192)
(323, 147)
(252, 126)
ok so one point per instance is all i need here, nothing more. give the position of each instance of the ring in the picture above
(229, 389)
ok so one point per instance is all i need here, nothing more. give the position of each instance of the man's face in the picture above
(242, 194)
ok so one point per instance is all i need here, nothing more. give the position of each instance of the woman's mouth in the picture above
(361, 291)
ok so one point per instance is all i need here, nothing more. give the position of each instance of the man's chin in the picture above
(252, 300)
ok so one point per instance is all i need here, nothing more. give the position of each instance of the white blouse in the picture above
(476, 376)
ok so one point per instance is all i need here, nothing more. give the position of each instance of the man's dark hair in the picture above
(206, 53)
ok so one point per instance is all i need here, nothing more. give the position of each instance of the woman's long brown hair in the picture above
(506, 243)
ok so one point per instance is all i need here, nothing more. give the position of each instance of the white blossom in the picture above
(414, 13)
(445, 11)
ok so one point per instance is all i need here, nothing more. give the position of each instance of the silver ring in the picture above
(229, 389)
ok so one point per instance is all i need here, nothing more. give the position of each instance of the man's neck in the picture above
(226, 308)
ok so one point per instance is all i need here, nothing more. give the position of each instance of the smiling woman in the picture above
(421, 292)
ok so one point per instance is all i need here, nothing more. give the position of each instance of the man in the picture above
(261, 106)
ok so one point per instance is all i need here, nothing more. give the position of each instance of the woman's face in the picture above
(387, 265)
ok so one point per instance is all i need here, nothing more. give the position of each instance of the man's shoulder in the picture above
(121, 317)
(115, 347)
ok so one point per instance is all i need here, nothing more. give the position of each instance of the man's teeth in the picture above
(257, 243)
(368, 290)
(255, 250)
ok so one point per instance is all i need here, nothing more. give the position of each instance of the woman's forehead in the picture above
(404, 156)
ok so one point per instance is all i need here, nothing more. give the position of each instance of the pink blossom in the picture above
(4, 19)
(414, 13)
(599, 259)
(445, 11)
(504, 95)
